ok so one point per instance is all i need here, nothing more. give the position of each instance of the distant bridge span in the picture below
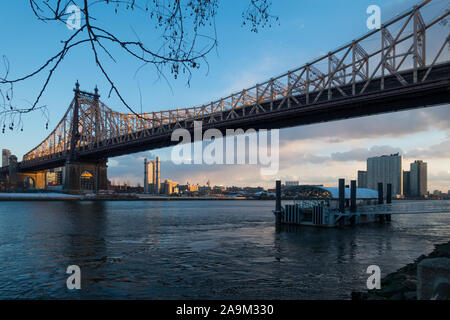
(432, 93)
(358, 79)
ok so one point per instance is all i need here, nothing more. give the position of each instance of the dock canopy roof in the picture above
(321, 192)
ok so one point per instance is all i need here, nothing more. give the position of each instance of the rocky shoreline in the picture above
(402, 284)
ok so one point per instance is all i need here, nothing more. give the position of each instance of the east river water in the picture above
(198, 250)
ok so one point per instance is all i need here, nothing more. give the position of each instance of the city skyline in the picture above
(215, 153)
(318, 153)
(387, 169)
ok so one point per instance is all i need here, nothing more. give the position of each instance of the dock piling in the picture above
(388, 198)
(278, 202)
(342, 195)
(380, 193)
(389, 193)
(353, 196)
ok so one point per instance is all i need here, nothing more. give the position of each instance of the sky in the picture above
(307, 29)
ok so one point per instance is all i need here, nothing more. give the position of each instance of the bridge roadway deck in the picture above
(395, 97)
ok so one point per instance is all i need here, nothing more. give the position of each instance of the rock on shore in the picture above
(402, 284)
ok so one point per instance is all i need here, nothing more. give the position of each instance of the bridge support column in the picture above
(38, 180)
(18, 180)
(3, 181)
(102, 175)
(83, 177)
(12, 174)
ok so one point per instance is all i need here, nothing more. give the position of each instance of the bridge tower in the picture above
(81, 175)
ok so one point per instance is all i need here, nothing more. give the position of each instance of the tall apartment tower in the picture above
(145, 176)
(149, 176)
(362, 179)
(418, 178)
(152, 176)
(5, 157)
(385, 169)
(157, 176)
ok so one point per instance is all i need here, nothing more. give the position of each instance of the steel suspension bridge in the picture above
(403, 65)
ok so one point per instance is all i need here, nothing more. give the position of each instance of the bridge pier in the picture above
(18, 180)
(12, 173)
(3, 181)
(82, 176)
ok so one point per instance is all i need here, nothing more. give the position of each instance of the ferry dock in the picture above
(320, 206)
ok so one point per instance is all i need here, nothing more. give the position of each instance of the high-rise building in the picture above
(152, 176)
(145, 176)
(362, 179)
(152, 182)
(418, 178)
(407, 183)
(148, 175)
(385, 169)
(291, 183)
(5, 157)
(157, 176)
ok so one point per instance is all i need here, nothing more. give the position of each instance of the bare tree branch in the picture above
(181, 23)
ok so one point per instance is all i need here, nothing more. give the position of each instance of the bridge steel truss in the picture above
(387, 62)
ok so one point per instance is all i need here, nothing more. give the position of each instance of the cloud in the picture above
(440, 176)
(304, 153)
(439, 180)
(361, 154)
(440, 150)
(395, 124)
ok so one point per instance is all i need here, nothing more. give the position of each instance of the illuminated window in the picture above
(86, 181)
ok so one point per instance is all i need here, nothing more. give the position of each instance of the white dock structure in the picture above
(332, 206)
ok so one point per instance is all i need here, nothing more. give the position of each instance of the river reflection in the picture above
(197, 249)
